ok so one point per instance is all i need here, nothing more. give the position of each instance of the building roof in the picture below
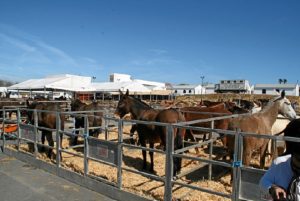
(275, 86)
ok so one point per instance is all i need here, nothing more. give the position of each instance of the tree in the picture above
(5, 83)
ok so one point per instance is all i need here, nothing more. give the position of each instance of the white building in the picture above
(209, 89)
(273, 89)
(3, 91)
(179, 90)
(236, 86)
(117, 77)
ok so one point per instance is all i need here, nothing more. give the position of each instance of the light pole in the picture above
(202, 78)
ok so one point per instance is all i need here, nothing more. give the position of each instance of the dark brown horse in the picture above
(46, 119)
(291, 130)
(94, 118)
(150, 133)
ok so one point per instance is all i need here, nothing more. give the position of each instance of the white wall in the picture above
(115, 77)
(294, 92)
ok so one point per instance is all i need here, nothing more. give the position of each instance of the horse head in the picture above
(29, 113)
(285, 107)
(123, 106)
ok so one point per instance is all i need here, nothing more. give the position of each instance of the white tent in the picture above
(64, 82)
(132, 86)
(152, 85)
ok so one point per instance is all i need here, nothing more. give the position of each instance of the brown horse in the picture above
(46, 119)
(150, 133)
(195, 113)
(259, 123)
(94, 118)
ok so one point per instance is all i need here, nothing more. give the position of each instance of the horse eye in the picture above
(287, 103)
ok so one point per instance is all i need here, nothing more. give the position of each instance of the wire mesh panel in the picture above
(103, 150)
(27, 132)
(249, 189)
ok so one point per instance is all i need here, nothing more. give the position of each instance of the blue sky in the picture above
(167, 41)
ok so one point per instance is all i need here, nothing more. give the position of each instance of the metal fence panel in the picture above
(103, 150)
(249, 188)
(27, 132)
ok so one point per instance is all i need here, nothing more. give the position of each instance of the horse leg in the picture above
(263, 153)
(42, 149)
(143, 144)
(247, 153)
(74, 139)
(50, 142)
(151, 145)
(132, 130)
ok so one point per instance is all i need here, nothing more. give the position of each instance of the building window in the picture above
(222, 82)
(190, 91)
(228, 81)
(184, 91)
(234, 81)
(175, 91)
(264, 91)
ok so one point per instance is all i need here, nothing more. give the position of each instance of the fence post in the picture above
(58, 140)
(36, 124)
(120, 151)
(210, 150)
(3, 130)
(18, 130)
(237, 163)
(106, 127)
(169, 163)
(86, 145)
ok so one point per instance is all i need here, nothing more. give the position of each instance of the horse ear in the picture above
(283, 94)
(127, 92)
(121, 93)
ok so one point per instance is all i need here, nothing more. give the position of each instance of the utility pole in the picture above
(202, 78)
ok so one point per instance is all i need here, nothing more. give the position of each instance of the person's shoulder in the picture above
(282, 159)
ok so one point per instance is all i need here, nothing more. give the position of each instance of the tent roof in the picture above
(62, 82)
(279, 86)
(123, 86)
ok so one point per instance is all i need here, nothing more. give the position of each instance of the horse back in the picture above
(48, 119)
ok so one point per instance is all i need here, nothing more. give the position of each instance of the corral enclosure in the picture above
(141, 182)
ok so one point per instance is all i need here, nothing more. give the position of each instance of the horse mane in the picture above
(271, 103)
(140, 101)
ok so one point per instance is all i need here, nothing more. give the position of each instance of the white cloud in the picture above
(154, 61)
(28, 55)
(158, 51)
(17, 43)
